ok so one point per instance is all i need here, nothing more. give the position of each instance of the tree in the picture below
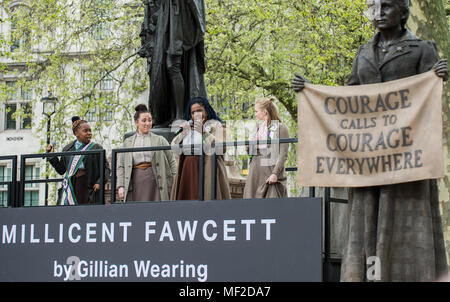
(429, 21)
(253, 48)
(257, 46)
(84, 52)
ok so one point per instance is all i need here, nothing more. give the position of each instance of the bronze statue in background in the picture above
(172, 39)
(400, 224)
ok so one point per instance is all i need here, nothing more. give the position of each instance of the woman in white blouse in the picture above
(145, 176)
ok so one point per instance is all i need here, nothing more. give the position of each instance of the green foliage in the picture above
(76, 47)
(72, 48)
(253, 48)
(428, 21)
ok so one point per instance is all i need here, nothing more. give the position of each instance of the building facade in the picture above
(23, 124)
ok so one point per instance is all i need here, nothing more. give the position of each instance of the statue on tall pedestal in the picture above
(172, 39)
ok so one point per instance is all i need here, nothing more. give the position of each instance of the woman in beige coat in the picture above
(145, 176)
(266, 178)
(204, 126)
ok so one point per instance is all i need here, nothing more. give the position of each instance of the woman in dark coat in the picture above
(204, 129)
(81, 184)
(400, 224)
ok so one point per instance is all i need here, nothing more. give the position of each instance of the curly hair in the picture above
(76, 122)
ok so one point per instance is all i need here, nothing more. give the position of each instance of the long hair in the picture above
(269, 105)
(210, 113)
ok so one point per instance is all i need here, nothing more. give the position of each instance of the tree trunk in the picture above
(428, 21)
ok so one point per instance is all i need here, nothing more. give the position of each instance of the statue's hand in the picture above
(298, 82)
(121, 192)
(142, 52)
(441, 69)
(145, 51)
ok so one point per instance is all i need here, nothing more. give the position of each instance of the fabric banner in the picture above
(370, 135)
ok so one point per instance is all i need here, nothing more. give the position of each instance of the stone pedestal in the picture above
(164, 132)
(235, 180)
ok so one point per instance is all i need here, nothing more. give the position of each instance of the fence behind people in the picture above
(16, 187)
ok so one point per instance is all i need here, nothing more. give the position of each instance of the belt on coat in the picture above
(80, 172)
(143, 166)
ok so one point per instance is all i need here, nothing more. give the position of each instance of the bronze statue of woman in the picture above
(172, 39)
(400, 224)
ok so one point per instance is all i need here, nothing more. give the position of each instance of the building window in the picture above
(12, 91)
(10, 120)
(15, 43)
(3, 198)
(102, 95)
(25, 121)
(32, 173)
(31, 197)
(18, 100)
(18, 36)
(100, 31)
(107, 83)
(107, 113)
(5, 175)
(90, 115)
(26, 93)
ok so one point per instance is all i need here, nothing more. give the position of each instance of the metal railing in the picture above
(23, 181)
(12, 184)
(115, 152)
(312, 190)
(16, 189)
(312, 193)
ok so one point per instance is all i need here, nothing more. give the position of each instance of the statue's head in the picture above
(386, 13)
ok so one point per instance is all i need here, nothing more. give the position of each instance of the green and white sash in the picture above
(68, 196)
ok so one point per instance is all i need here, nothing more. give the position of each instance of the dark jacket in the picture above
(408, 57)
(91, 165)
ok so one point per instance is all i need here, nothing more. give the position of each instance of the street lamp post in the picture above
(48, 109)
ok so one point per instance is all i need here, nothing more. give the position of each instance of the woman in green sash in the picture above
(81, 184)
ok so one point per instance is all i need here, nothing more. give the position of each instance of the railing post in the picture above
(102, 176)
(312, 192)
(201, 176)
(22, 181)
(14, 196)
(327, 230)
(213, 171)
(113, 176)
(46, 184)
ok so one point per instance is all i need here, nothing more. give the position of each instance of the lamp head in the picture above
(49, 104)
